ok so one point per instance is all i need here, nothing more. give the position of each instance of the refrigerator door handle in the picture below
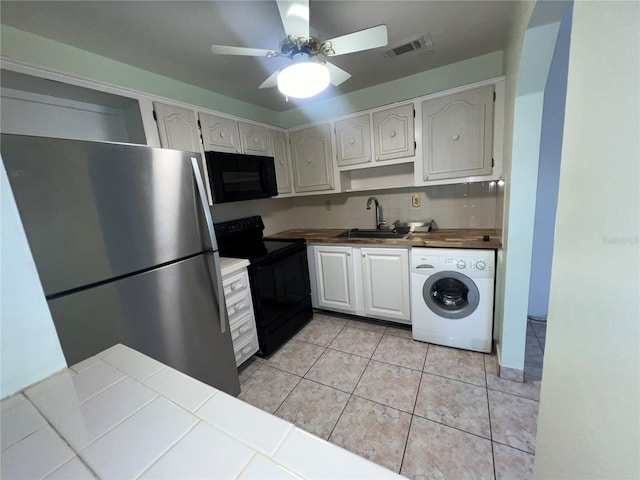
(204, 202)
(216, 276)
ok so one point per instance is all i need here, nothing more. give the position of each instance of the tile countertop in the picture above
(446, 237)
(122, 414)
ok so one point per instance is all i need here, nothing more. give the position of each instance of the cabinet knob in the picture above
(255, 140)
(309, 160)
(455, 136)
(378, 157)
(238, 150)
(392, 133)
(363, 255)
(281, 162)
(221, 134)
(352, 141)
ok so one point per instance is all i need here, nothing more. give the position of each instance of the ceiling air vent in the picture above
(407, 46)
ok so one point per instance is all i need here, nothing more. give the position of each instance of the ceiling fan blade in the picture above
(373, 37)
(251, 52)
(295, 17)
(272, 81)
(337, 74)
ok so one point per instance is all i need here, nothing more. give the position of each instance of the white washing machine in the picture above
(452, 297)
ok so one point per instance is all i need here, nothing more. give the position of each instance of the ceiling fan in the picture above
(310, 72)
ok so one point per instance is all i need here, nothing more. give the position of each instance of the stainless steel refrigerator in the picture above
(124, 245)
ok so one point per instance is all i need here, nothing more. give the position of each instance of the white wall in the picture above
(26, 113)
(522, 14)
(549, 172)
(521, 157)
(589, 420)
(29, 346)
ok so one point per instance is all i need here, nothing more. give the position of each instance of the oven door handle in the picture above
(216, 275)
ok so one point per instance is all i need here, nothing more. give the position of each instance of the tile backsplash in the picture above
(465, 205)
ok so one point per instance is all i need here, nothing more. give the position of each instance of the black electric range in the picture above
(278, 275)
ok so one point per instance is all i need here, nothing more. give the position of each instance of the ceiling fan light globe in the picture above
(303, 80)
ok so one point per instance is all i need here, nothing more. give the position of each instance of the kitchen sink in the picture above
(360, 233)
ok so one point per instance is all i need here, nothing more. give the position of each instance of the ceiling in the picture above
(173, 38)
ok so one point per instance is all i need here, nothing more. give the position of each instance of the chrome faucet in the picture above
(379, 221)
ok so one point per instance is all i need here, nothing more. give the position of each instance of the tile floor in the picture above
(422, 410)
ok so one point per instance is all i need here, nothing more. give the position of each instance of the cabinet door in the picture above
(353, 140)
(280, 150)
(457, 134)
(334, 278)
(253, 139)
(385, 279)
(177, 127)
(311, 158)
(393, 133)
(219, 134)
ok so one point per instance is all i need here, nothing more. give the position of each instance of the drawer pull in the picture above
(239, 306)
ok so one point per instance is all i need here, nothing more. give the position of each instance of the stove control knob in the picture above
(480, 265)
(461, 264)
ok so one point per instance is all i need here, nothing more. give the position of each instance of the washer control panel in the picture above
(466, 263)
(475, 263)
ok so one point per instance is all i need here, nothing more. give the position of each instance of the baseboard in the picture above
(512, 374)
(508, 373)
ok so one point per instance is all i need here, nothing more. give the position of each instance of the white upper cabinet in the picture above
(177, 127)
(281, 157)
(457, 134)
(219, 134)
(222, 134)
(393, 133)
(353, 140)
(254, 139)
(311, 159)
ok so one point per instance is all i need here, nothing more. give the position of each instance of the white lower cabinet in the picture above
(365, 281)
(385, 283)
(242, 322)
(334, 278)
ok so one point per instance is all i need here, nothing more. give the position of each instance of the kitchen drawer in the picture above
(238, 306)
(243, 328)
(245, 349)
(235, 283)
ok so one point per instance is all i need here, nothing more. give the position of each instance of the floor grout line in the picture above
(486, 391)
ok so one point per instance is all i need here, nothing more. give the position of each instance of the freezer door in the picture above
(95, 211)
(169, 314)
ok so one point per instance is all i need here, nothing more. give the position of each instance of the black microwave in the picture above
(234, 177)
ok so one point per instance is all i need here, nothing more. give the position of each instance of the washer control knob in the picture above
(480, 265)
(461, 264)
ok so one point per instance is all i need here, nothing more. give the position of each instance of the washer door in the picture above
(451, 294)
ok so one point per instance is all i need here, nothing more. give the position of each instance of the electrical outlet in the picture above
(415, 200)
